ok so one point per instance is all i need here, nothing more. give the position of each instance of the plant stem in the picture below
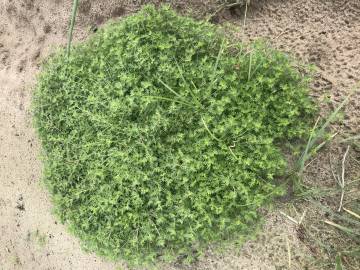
(71, 29)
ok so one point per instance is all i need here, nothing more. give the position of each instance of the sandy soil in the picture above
(323, 32)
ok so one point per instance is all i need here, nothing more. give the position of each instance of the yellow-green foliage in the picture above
(161, 136)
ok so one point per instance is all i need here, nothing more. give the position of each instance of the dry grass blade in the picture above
(342, 183)
(290, 218)
(227, 5)
(288, 251)
(341, 228)
(302, 217)
(245, 14)
(353, 138)
(351, 213)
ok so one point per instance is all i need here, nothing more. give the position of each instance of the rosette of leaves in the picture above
(160, 135)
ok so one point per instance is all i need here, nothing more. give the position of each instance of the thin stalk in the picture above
(208, 130)
(219, 55)
(302, 160)
(71, 29)
(172, 100)
(170, 89)
(289, 251)
(343, 179)
(245, 15)
(250, 63)
(187, 86)
(214, 79)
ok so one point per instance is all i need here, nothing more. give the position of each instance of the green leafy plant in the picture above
(161, 135)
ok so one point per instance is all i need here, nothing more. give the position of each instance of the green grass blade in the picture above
(341, 228)
(186, 84)
(216, 65)
(338, 263)
(304, 155)
(318, 134)
(250, 63)
(330, 119)
(208, 130)
(170, 89)
(172, 100)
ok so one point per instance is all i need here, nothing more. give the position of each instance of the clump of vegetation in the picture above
(161, 135)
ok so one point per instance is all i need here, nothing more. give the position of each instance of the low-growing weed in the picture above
(161, 136)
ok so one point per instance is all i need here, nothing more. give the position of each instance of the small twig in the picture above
(293, 219)
(282, 33)
(234, 4)
(343, 179)
(343, 165)
(246, 9)
(224, 6)
(290, 218)
(341, 199)
(307, 165)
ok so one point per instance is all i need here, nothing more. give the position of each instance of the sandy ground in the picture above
(323, 32)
